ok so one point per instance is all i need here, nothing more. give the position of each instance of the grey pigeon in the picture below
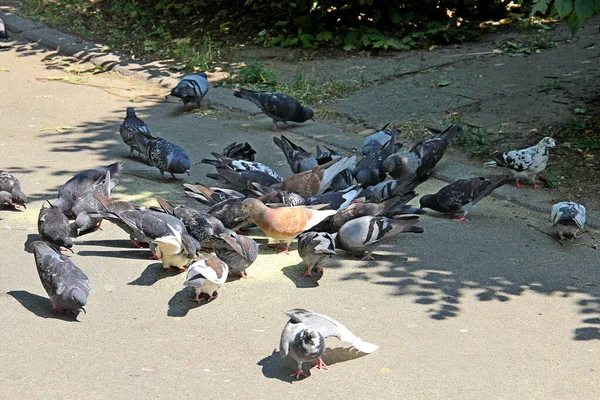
(364, 234)
(130, 125)
(9, 183)
(206, 276)
(380, 138)
(239, 151)
(525, 163)
(176, 250)
(303, 338)
(298, 159)
(568, 218)
(324, 156)
(241, 165)
(3, 32)
(54, 228)
(231, 214)
(458, 197)
(67, 286)
(420, 158)
(6, 200)
(278, 106)
(191, 88)
(391, 188)
(210, 195)
(87, 204)
(242, 180)
(279, 196)
(314, 248)
(164, 155)
(76, 187)
(369, 171)
(334, 200)
(238, 251)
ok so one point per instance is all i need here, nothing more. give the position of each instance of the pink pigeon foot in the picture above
(240, 232)
(321, 365)
(176, 178)
(461, 219)
(196, 298)
(298, 373)
(136, 244)
(517, 184)
(153, 257)
(308, 272)
(536, 186)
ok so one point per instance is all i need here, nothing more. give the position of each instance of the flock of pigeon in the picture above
(329, 202)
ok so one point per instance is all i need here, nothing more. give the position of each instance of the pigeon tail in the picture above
(247, 95)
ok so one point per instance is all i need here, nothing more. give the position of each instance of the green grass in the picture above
(476, 141)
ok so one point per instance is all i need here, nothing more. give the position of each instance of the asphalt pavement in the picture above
(492, 308)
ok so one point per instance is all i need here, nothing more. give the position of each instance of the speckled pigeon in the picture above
(206, 276)
(164, 155)
(238, 251)
(303, 338)
(241, 165)
(239, 151)
(191, 88)
(314, 248)
(54, 228)
(9, 183)
(278, 106)
(130, 125)
(568, 218)
(67, 286)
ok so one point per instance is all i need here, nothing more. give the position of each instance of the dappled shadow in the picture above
(152, 274)
(181, 303)
(32, 237)
(40, 306)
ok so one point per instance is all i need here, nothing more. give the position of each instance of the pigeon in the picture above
(364, 234)
(191, 88)
(76, 187)
(231, 214)
(280, 196)
(278, 106)
(334, 200)
(525, 163)
(569, 219)
(369, 171)
(239, 151)
(298, 159)
(206, 275)
(176, 250)
(242, 180)
(6, 200)
(420, 158)
(3, 32)
(54, 228)
(318, 179)
(87, 204)
(238, 251)
(242, 165)
(67, 286)
(283, 223)
(379, 139)
(130, 125)
(459, 196)
(391, 188)
(314, 248)
(303, 338)
(164, 155)
(9, 183)
(210, 195)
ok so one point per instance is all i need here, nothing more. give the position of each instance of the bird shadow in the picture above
(40, 306)
(152, 274)
(118, 243)
(32, 237)
(130, 254)
(292, 272)
(275, 367)
(180, 304)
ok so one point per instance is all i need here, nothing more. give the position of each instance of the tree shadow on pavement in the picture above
(40, 306)
(180, 304)
(152, 274)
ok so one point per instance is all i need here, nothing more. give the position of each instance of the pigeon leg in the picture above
(462, 218)
(99, 226)
(308, 272)
(536, 186)
(212, 297)
(196, 298)
(517, 184)
(153, 257)
(240, 232)
(298, 373)
(162, 174)
(175, 178)
(321, 365)
(368, 256)
(275, 128)
(578, 236)
(244, 275)
(287, 247)
(136, 244)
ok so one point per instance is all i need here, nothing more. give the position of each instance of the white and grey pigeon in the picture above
(164, 155)
(364, 234)
(298, 159)
(87, 205)
(241, 165)
(130, 125)
(238, 251)
(278, 106)
(568, 218)
(9, 183)
(315, 248)
(176, 250)
(3, 32)
(76, 187)
(458, 197)
(206, 276)
(54, 228)
(525, 163)
(67, 286)
(303, 338)
(191, 89)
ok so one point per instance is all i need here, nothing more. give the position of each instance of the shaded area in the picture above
(152, 274)
(180, 304)
(40, 306)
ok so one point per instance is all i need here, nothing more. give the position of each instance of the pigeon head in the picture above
(307, 114)
(547, 142)
(19, 197)
(309, 338)
(185, 91)
(363, 177)
(428, 201)
(6, 199)
(253, 207)
(84, 222)
(130, 111)
(179, 163)
(79, 297)
(391, 163)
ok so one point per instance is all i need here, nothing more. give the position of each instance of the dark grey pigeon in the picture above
(67, 286)
(164, 155)
(232, 215)
(210, 196)
(315, 248)
(380, 138)
(76, 187)
(323, 157)
(9, 183)
(391, 188)
(130, 125)
(303, 338)
(239, 151)
(344, 179)
(458, 197)
(422, 157)
(6, 200)
(238, 251)
(364, 234)
(3, 32)
(54, 228)
(242, 180)
(87, 205)
(278, 106)
(298, 159)
(369, 171)
(191, 88)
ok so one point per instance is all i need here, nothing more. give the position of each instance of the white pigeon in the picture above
(176, 250)
(303, 338)
(569, 219)
(207, 275)
(525, 163)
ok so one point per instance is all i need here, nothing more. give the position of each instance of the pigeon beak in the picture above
(24, 206)
(83, 309)
(313, 119)
(188, 172)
